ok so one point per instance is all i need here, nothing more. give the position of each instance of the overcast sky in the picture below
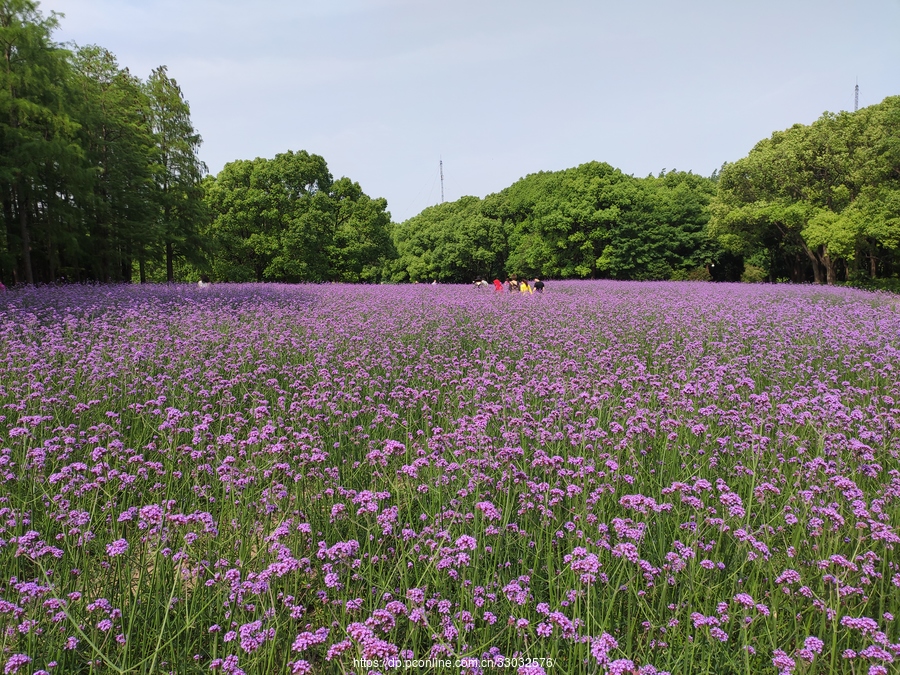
(498, 89)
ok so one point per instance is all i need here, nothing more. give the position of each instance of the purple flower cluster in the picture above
(623, 477)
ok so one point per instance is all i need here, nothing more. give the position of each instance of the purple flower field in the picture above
(609, 478)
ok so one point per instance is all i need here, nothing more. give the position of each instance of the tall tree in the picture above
(177, 170)
(119, 208)
(591, 220)
(286, 219)
(36, 131)
(298, 185)
(453, 241)
(244, 224)
(361, 244)
(817, 198)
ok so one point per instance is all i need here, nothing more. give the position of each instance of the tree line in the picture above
(100, 180)
(287, 219)
(99, 173)
(587, 222)
(819, 202)
(815, 203)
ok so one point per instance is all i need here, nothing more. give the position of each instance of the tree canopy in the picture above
(287, 219)
(820, 202)
(590, 221)
(98, 169)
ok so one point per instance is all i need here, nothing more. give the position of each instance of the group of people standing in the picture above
(513, 285)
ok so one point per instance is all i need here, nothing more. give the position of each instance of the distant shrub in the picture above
(753, 274)
(892, 285)
(695, 274)
(655, 270)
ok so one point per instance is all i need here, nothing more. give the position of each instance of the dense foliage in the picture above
(286, 219)
(610, 477)
(818, 202)
(590, 221)
(98, 170)
(813, 203)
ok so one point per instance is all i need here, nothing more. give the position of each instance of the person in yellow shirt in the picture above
(524, 287)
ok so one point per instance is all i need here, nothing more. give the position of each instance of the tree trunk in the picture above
(26, 239)
(8, 221)
(828, 263)
(798, 273)
(816, 267)
(142, 268)
(105, 264)
(50, 261)
(127, 266)
(170, 262)
(873, 271)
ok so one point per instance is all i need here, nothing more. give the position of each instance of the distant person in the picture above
(2, 287)
(511, 285)
(434, 283)
(498, 286)
(538, 285)
(204, 281)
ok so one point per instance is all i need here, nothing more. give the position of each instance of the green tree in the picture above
(817, 197)
(243, 223)
(37, 146)
(450, 242)
(557, 221)
(286, 219)
(119, 208)
(594, 220)
(591, 220)
(177, 171)
(298, 186)
(361, 245)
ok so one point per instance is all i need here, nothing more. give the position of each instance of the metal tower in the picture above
(856, 98)
(442, 179)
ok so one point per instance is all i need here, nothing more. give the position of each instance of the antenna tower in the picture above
(442, 180)
(856, 98)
